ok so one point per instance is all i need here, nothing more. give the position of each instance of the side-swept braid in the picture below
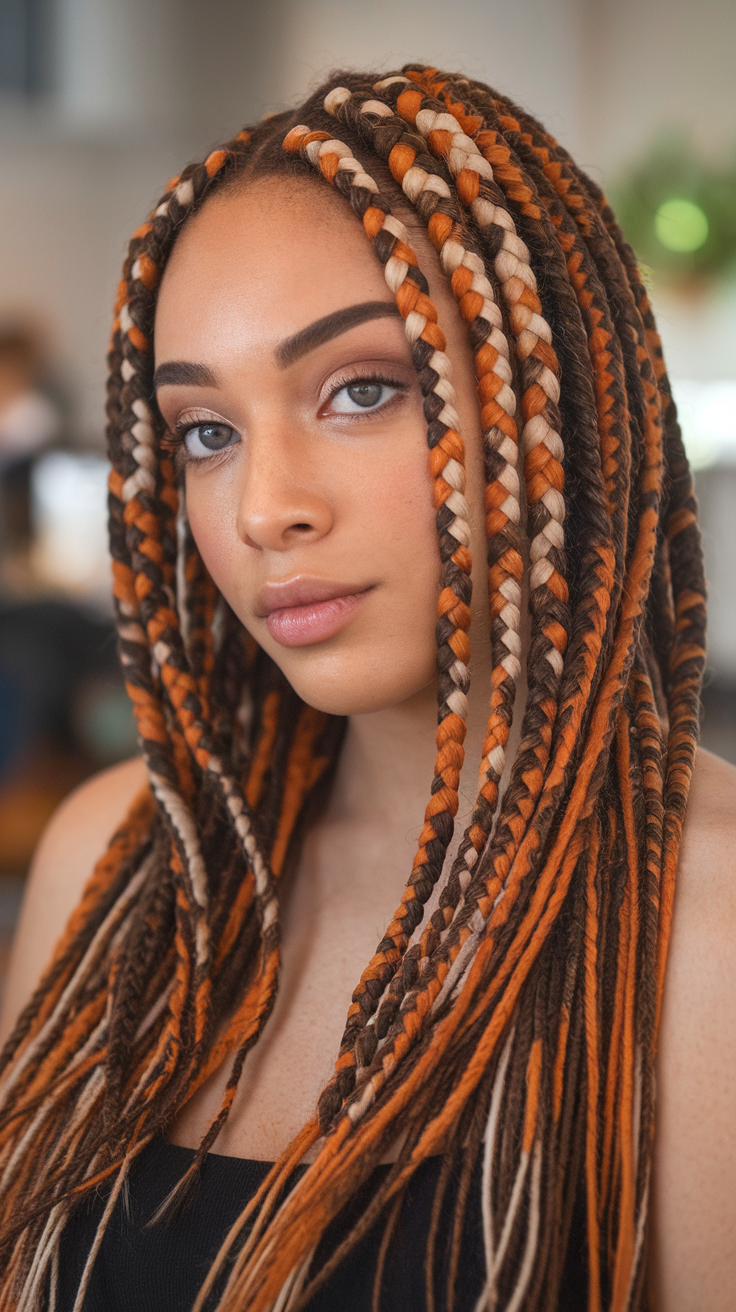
(409, 285)
(516, 1030)
(425, 186)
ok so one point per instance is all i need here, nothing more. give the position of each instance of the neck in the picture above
(387, 759)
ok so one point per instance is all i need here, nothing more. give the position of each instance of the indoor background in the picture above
(102, 100)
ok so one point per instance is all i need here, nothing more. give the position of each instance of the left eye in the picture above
(362, 395)
(204, 439)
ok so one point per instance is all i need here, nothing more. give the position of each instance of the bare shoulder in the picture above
(708, 853)
(694, 1202)
(71, 843)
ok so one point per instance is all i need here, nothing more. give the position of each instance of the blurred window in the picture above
(69, 511)
(707, 414)
(23, 26)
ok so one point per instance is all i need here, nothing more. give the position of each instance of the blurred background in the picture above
(102, 100)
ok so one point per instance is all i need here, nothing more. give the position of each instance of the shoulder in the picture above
(704, 919)
(694, 1202)
(710, 823)
(705, 890)
(701, 969)
(76, 835)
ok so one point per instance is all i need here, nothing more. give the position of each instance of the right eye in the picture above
(202, 440)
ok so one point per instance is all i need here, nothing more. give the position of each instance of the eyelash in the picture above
(174, 440)
(354, 380)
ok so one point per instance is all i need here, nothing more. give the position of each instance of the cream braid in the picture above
(408, 284)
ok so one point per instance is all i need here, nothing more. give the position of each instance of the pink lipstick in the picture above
(303, 610)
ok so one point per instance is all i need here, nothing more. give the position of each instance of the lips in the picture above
(303, 611)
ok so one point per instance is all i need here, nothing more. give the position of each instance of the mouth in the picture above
(304, 611)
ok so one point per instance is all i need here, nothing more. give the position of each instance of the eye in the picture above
(363, 394)
(205, 439)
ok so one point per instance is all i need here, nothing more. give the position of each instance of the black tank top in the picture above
(161, 1268)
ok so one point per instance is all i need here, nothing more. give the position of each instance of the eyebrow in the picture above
(323, 330)
(182, 373)
(179, 373)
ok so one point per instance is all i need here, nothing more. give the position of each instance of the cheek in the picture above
(407, 519)
(212, 501)
(384, 531)
(393, 654)
(390, 532)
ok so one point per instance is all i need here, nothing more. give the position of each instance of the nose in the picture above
(283, 502)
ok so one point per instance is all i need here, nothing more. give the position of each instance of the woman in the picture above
(484, 1138)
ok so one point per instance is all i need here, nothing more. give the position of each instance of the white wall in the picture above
(115, 62)
(716, 491)
(67, 208)
(530, 49)
(658, 63)
(140, 88)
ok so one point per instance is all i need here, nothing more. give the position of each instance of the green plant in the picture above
(679, 211)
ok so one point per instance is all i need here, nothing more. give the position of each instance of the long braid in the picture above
(476, 298)
(518, 1027)
(391, 243)
(370, 106)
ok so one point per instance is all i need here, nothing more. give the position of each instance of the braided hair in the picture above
(517, 1029)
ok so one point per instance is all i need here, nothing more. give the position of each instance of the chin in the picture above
(358, 693)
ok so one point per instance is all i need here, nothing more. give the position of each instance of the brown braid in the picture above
(518, 1028)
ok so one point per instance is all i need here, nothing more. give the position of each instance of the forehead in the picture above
(260, 262)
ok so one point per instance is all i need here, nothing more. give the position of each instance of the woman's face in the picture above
(283, 368)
